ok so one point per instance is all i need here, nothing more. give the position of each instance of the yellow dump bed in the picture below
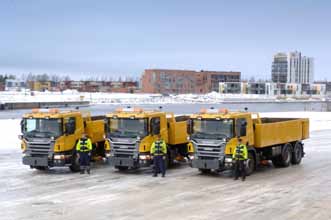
(177, 129)
(95, 128)
(274, 131)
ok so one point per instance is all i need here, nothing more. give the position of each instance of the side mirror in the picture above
(189, 126)
(22, 126)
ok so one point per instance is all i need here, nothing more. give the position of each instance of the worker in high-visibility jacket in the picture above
(240, 156)
(159, 152)
(84, 148)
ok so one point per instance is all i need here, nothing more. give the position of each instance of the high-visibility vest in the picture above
(159, 148)
(84, 145)
(240, 152)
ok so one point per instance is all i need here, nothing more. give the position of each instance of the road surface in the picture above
(298, 192)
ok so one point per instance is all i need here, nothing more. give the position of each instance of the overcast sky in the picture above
(125, 37)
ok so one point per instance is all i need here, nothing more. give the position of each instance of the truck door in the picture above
(241, 129)
(70, 129)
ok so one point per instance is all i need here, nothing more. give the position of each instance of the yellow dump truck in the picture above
(131, 132)
(49, 137)
(214, 132)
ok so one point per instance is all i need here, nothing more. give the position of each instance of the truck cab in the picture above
(131, 132)
(214, 136)
(49, 137)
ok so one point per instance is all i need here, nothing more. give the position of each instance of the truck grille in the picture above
(209, 151)
(38, 148)
(124, 149)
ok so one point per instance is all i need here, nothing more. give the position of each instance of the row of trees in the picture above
(58, 78)
(3, 78)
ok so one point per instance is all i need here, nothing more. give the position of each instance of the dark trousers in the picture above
(84, 159)
(159, 165)
(239, 169)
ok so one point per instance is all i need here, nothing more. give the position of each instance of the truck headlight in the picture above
(191, 157)
(145, 157)
(59, 157)
(188, 138)
(228, 160)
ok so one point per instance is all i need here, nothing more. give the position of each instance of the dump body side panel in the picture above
(177, 132)
(95, 130)
(271, 132)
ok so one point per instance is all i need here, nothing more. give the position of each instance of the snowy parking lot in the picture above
(298, 192)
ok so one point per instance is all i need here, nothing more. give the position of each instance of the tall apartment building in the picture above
(279, 68)
(185, 81)
(293, 68)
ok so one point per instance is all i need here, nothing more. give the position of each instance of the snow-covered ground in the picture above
(10, 128)
(301, 190)
(139, 98)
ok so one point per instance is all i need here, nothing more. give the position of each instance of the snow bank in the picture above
(138, 98)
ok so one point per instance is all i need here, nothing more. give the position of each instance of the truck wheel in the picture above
(121, 168)
(250, 167)
(205, 171)
(75, 166)
(285, 158)
(297, 153)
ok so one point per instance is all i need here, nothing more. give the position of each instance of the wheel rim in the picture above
(287, 155)
(298, 153)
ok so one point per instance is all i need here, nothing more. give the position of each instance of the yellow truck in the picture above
(49, 137)
(131, 132)
(214, 132)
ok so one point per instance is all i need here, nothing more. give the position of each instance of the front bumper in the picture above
(35, 161)
(129, 162)
(207, 164)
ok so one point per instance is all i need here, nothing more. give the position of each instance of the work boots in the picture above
(88, 170)
(82, 170)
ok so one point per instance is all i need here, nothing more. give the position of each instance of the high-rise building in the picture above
(279, 68)
(293, 68)
(300, 68)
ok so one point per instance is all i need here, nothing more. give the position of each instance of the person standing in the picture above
(159, 152)
(84, 148)
(240, 155)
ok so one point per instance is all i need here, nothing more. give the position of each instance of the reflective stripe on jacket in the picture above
(240, 152)
(84, 145)
(159, 148)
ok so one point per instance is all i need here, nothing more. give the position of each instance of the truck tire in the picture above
(250, 168)
(205, 171)
(297, 153)
(285, 158)
(122, 168)
(75, 166)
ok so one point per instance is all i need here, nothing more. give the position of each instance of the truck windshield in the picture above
(127, 127)
(42, 127)
(212, 129)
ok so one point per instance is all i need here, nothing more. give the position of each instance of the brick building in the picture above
(184, 81)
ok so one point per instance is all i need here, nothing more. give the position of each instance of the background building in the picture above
(300, 68)
(185, 81)
(273, 89)
(14, 85)
(279, 68)
(293, 68)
